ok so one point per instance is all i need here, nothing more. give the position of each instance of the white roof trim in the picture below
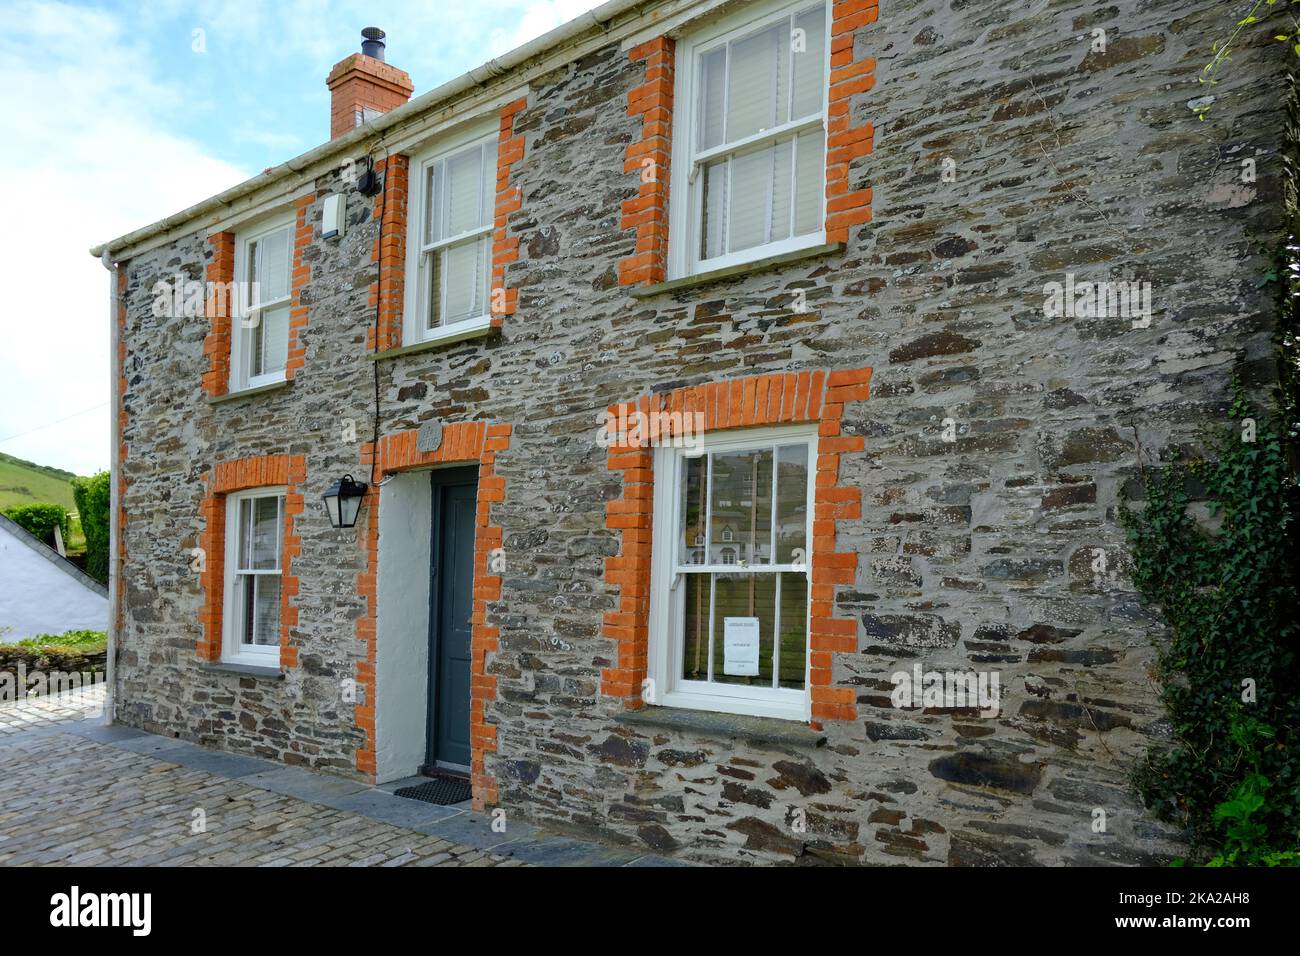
(439, 108)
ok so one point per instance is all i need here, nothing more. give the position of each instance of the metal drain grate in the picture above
(444, 791)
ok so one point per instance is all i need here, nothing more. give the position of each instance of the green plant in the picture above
(93, 497)
(74, 639)
(1261, 11)
(1229, 674)
(1246, 840)
(40, 519)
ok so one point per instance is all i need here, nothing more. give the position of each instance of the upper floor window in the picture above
(449, 249)
(750, 137)
(254, 540)
(263, 265)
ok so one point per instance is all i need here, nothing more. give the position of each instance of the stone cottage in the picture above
(734, 398)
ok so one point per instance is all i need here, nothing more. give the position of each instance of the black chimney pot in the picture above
(372, 42)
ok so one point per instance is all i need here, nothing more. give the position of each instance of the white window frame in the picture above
(244, 307)
(686, 203)
(667, 592)
(413, 312)
(232, 651)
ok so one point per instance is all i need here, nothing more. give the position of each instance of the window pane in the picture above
(432, 221)
(756, 82)
(244, 531)
(810, 170)
(740, 600)
(253, 294)
(792, 505)
(809, 64)
(266, 629)
(464, 269)
(272, 337)
(742, 506)
(245, 594)
(782, 173)
(431, 289)
(751, 184)
(713, 230)
(695, 627)
(273, 264)
(691, 537)
(253, 337)
(488, 211)
(794, 630)
(712, 80)
(463, 185)
(265, 535)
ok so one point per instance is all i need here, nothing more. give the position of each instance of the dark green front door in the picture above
(451, 590)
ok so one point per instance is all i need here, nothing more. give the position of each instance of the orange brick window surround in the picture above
(220, 307)
(220, 310)
(299, 278)
(389, 254)
(387, 292)
(650, 158)
(505, 248)
(244, 474)
(782, 398)
(845, 142)
(461, 442)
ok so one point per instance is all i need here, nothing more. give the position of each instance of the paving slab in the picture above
(150, 744)
(380, 805)
(303, 784)
(219, 762)
(564, 851)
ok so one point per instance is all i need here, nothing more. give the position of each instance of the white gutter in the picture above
(598, 20)
(114, 502)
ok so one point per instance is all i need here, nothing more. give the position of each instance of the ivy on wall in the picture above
(1229, 675)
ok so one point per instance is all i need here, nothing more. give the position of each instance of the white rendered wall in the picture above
(402, 626)
(36, 597)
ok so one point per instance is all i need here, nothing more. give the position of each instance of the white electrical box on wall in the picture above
(331, 226)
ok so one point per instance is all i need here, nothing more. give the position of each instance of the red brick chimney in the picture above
(363, 85)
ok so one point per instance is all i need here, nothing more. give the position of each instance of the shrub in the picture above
(93, 502)
(40, 518)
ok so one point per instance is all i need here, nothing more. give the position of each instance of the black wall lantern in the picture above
(343, 501)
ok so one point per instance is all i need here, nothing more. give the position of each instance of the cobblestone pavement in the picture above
(74, 792)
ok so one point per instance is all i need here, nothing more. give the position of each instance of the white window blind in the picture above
(255, 524)
(758, 165)
(264, 274)
(455, 250)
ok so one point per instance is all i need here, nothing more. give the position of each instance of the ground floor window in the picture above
(254, 540)
(731, 573)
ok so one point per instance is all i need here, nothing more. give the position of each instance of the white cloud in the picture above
(538, 18)
(86, 154)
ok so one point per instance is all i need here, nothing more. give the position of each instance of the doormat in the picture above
(444, 791)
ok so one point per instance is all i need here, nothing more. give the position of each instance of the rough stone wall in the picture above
(977, 553)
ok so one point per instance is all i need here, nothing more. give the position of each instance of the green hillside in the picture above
(22, 482)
